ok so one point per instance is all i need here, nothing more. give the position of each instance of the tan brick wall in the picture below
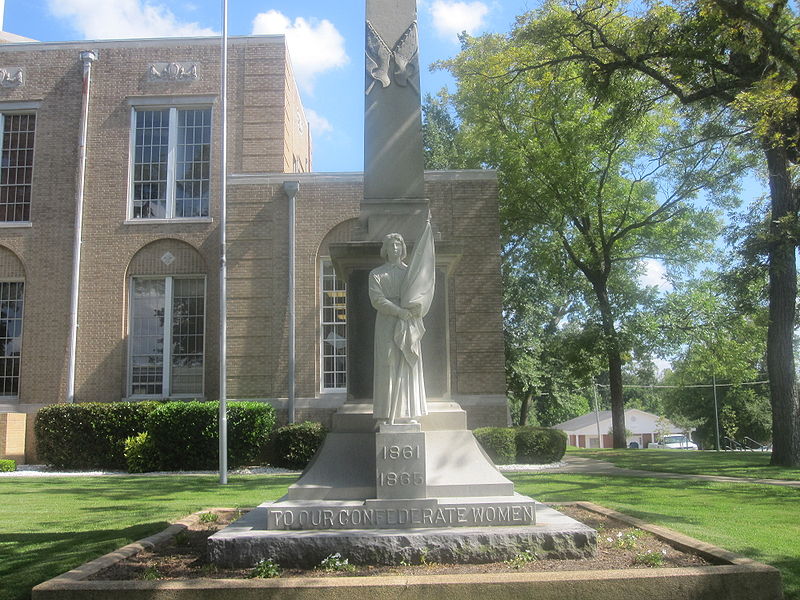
(464, 209)
(264, 136)
(12, 436)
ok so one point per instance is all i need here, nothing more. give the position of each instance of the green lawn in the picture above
(708, 462)
(759, 521)
(51, 525)
(48, 526)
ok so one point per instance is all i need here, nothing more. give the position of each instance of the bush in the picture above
(186, 434)
(499, 443)
(540, 445)
(7, 465)
(293, 446)
(141, 454)
(88, 435)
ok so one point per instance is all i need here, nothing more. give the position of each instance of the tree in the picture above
(722, 338)
(744, 56)
(441, 140)
(547, 359)
(609, 175)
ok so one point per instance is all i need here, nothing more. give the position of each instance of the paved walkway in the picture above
(580, 464)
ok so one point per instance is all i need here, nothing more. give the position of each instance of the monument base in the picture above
(247, 542)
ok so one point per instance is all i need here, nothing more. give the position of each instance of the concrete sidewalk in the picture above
(590, 466)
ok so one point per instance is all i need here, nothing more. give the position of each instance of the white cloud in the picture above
(119, 19)
(655, 275)
(319, 124)
(315, 46)
(451, 18)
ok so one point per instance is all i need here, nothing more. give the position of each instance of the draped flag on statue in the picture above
(416, 296)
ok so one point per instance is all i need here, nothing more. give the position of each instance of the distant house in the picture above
(641, 425)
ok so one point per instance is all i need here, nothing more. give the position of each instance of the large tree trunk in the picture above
(524, 408)
(782, 298)
(614, 368)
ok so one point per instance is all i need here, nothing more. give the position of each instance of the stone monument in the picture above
(399, 476)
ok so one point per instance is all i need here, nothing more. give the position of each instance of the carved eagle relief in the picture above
(379, 57)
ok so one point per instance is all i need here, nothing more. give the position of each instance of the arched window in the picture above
(333, 329)
(166, 324)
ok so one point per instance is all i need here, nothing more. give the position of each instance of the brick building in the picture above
(147, 310)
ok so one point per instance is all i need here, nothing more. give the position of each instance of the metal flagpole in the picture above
(223, 307)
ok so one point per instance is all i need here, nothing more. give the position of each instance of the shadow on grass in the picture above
(30, 558)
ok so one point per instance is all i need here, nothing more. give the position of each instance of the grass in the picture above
(759, 521)
(51, 525)
(705, 462)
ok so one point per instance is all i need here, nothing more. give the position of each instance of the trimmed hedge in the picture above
(88, 435)
(499, 443)
(293, 446)
(180, 435)
(540, 445)
(140, 453)
(523, 445)
(186, 436)
(7, 465)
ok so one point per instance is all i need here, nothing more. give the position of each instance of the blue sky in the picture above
(326, 39)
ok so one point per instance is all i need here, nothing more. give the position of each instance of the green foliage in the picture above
(540, 445)
(141, 455)
(186, 434)
(499, 443)
(88, 435)
(596, 179)
(293, 446)
(524, 445)
(441, 136)
(651, 558)
(179, 435)
(522, 559)
(150, 574)
(7, 465)
(266, 569)
(335, 562)
(627, 540)
(209, 517)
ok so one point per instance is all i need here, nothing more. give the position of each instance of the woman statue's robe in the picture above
(398, 382)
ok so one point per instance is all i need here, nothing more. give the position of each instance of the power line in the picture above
(693, 385)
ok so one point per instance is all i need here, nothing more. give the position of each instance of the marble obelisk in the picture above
(394, 189)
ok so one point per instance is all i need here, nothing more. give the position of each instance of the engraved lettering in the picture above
(304, 518)
(462, 514)
(327, 518)
(491, 514)
(427, 516)
(343, 518)
(477, 514)
(504, 513)
(440, 518)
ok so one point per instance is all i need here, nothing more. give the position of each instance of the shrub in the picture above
(140, 454)
(7, 465)
(186, 434)
(499, 443)
(540, 445)
(89, 435)
(294, 445)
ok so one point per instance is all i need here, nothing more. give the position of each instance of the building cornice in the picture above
(354, 177)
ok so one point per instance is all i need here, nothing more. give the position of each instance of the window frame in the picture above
(166, 363)
(323, 389)
(173, 104)
(15, 398)
(21, 108)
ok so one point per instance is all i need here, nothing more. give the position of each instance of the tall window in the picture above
(171, 163)
(333, 330)
(11, 304)
(16, 168)
(167, 326)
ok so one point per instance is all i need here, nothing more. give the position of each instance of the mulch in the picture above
(619, 546)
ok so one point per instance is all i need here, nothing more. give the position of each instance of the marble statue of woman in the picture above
(402, 296)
